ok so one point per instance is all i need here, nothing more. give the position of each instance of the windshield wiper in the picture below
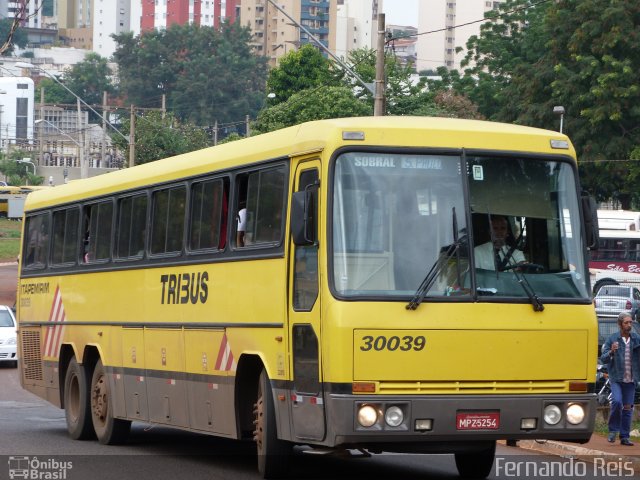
(526, 286)
(436, 268)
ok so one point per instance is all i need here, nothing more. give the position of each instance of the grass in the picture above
(10, 231)
(601, 423)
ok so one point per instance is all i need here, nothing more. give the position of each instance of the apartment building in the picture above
(275, 35)
(444, 18)
(163, 13)
(356, 25)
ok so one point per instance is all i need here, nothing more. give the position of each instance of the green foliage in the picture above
(206, 74)
(19, 36)
(299, 70)
(319, 103)
(231, 138)
(581, 54)
(157, 137)
(16, 173)
(87, 79)
(402, 96)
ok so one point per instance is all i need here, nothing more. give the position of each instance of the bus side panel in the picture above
(210, 396)
(135, 386)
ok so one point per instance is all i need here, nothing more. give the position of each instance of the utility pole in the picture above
(41, 128)
(215, 133)
(132, 137)
(378, 103)
(103, 144)
(84, 165)
(164, 105)
(248, 130)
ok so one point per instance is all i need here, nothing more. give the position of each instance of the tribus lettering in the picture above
(185, 288)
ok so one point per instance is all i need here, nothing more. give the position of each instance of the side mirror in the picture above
(303, 217)
(591, 228)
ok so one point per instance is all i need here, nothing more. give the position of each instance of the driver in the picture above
(498, 253)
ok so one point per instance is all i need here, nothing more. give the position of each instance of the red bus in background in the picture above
(618, 258)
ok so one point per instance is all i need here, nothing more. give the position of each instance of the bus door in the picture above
(307, 405)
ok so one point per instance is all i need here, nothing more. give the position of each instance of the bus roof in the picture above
(430, 132)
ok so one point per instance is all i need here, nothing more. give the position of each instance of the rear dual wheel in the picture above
(76, 402)
(109, 430)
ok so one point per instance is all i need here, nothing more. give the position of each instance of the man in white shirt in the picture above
(242, 227)
(497, 252)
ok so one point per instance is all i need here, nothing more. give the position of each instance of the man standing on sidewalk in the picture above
(621, 352)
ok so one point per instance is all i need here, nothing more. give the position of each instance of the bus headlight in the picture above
(575, 414)
(552, 414)
(394, 416)
(367, 416)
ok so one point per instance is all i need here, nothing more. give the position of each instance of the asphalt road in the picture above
(8, 283)
(34, 431)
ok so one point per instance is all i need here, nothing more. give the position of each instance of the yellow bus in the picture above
(14, 194)
(322, 285)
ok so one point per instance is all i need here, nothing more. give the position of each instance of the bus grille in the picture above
(30, 356)
(481, 387)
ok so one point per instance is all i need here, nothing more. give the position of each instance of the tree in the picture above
(582, 54)
(12, 35)
(88, 79)
(298, 70)
(315, 104)
(157, 137)
(206, 74)
(16, 173)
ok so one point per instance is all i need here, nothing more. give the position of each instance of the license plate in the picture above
(478, 421)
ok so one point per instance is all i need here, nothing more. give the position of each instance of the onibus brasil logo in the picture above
(36, 469)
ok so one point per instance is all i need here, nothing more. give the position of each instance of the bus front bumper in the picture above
(417, 423)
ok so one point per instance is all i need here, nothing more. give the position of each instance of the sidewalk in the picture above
(597, 447)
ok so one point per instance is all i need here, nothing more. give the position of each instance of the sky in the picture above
(401, 12)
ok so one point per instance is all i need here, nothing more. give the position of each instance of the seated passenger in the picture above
(501, 251)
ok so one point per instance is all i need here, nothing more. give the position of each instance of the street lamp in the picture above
(30, 66)
(559, 110)
(29, 162)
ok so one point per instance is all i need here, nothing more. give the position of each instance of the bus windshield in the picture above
(397, 216)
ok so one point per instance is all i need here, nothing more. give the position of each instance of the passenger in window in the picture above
(501, 250)
(241, 229)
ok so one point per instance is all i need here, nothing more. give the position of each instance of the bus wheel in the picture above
(476, 464)
(76, 402)
(109, 430)
(273, 454)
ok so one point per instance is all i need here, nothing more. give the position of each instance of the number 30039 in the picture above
(392, 344)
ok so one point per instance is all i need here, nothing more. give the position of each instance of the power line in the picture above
(486, 19)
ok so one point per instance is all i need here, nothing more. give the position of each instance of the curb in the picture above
(575, 451)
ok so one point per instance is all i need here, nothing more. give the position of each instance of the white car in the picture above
(8, 337)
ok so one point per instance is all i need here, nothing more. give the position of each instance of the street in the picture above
(34, 432)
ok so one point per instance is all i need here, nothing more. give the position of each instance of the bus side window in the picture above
(65, 236)
(259, 208)
(208, 218)
(97, 227)
(37, 242)
(131, 226)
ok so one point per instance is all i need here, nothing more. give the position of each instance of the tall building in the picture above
(163, 13)
(29, 11)
(443, 17)
(274, 34)
(89, 24)
(357, 25)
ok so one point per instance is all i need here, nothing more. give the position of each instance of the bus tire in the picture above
(109, 430)
(273, 454)
(76, 402)
(476, 464)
